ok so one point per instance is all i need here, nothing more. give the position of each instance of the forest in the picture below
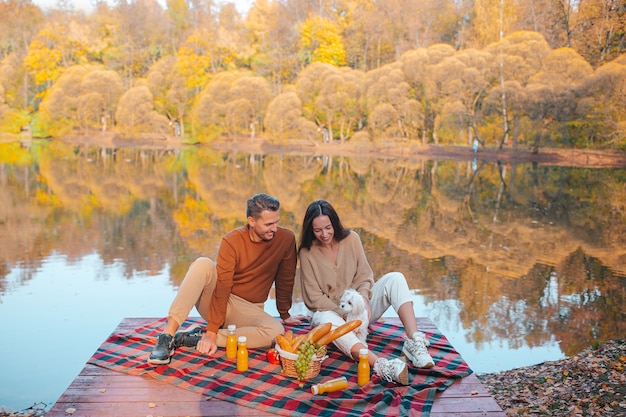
(517, 73)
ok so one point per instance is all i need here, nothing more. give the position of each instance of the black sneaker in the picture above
(163, 350)
(189, 338)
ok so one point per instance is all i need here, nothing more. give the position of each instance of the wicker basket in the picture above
(288, 362)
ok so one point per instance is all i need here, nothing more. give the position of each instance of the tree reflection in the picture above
(529, 254)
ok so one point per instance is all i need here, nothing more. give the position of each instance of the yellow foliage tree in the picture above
(194, 61)
(43, 63)
(321, 41)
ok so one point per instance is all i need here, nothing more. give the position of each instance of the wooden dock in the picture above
(102, 392)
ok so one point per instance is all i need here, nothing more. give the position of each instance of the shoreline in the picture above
(589, 158)
(592, 383)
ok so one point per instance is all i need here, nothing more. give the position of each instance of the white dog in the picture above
(353, 304)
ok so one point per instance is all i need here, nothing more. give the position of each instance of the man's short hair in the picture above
(260, 202)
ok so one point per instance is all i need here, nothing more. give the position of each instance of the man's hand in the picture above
(207, 344)
(294, 320)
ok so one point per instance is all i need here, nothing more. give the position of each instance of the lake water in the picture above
(516, 264)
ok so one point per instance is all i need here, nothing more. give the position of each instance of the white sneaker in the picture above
(416, 350)
(393, 370)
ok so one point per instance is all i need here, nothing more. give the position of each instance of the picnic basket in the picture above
(288, 362)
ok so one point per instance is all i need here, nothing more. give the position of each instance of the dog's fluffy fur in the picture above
(353, 304)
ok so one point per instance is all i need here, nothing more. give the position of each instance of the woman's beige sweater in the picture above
(323, 282)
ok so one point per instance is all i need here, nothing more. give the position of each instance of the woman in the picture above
(332, 260)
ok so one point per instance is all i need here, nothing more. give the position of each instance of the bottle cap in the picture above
(315, 390)
(242, 339)
(363, 352)
(232, 327)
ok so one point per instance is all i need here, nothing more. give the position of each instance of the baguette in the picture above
(284, 343)
(297, 340)
(338, 332)
(316, 333)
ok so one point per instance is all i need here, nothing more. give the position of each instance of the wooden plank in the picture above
(102, 392)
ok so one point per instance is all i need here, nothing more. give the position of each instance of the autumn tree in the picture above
(178, 17)
(230, 104)
(551, 94)
(418, 66)
(491, 18)
(135, 114)
(249, 99)
(284, 119)
(171, 97)
(100, 92)
(550, 18)
(272, 40)
(19, 20)
(367, 46)
(14, 80)
(463, 80)
(601, 108)
(335, 101)
(412, 24)
(521, 55)
(84, 97)
(393, 111)
(43, 62)
(599, 30)
(137, 38)
(57, 112)
(321, 41)
(193, 61)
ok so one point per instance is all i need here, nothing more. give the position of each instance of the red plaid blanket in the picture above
(264, 387)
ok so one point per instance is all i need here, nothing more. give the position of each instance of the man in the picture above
(250, 260)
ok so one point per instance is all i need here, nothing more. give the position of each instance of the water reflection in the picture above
(505, 258)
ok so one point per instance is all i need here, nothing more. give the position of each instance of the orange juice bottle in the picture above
(242, 354)
(330, 386)
(363, 373)
(231, 342)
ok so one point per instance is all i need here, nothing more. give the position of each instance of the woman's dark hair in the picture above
(316, 209)
(259, 203)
